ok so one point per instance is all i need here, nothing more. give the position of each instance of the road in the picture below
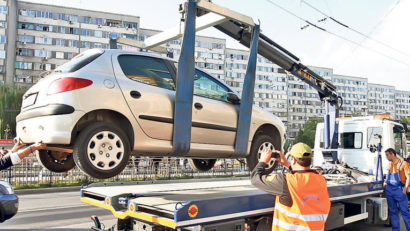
(64, 211)
(55, 211)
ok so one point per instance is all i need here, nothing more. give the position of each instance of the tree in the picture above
(406, 120)
(307, 135)
(10, 103)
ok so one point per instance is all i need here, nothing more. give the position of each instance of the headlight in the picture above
(7, 187)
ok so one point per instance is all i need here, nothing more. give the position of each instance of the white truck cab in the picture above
(357, 134)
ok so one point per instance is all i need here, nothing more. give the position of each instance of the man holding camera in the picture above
(302, 200)
(17, 154)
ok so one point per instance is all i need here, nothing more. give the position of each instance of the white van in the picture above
(357, 134)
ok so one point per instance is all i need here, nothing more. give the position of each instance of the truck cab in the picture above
(357, 135)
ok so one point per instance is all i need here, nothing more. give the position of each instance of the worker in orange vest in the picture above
(302, 200)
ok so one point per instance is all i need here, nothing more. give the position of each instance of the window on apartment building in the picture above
(60, 42)
(72, 18)
(25, 39)
(25, 52)
(97, 45)
(29, 13)
(3, 10)
(59, 55)
(2, 54)
(27, 26)
(41, 40)
(85, 44)
(86, 19)
(2, 39)
(86, 32)
(98, 34)
(24, 65)
(42, 53)
(3, 25)
(130, 25)
(99, 21)
(61, 17)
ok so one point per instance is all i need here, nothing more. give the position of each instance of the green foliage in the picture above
(307, 135)
(10, 103)
(407, 122)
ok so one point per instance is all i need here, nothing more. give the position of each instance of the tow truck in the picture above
(233, 204)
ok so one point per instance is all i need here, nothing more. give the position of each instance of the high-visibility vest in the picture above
(310, 207)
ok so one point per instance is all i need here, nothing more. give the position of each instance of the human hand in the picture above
(38, 146)
(266, 156)
(405, 190)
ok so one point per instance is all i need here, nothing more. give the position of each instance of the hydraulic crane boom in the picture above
(201, 14)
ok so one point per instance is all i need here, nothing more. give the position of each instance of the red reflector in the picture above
(68, 84)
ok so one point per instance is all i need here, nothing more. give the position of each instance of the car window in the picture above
(351, 140)
(206, 86)
(399, 146)
(372, 136)
(80, 61)
(147, 70)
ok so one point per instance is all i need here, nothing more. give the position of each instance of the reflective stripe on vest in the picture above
(315, 217)
(286, 226)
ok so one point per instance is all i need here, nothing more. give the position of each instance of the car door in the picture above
(148, 87)
(214, 118)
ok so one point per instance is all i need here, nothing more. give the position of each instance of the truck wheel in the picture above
(261, 144)
(102, 150)
(202, 165)
(56, 161)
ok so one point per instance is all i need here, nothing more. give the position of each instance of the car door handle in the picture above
(135, 94)
(198, 106)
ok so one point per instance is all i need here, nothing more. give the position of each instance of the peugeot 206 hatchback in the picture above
(105, 105)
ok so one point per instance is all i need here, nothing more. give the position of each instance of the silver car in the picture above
(105, 105)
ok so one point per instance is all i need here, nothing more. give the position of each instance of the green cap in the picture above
(301, 150)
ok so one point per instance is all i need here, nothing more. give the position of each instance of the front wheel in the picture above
(55, 161)
(202, 165)
(261, 144)
(102, 150)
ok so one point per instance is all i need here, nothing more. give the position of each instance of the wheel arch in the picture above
(270, 130)
(104, 115)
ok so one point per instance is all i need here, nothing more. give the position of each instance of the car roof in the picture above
(149, 54)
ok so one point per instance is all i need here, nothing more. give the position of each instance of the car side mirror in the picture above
(233, 98)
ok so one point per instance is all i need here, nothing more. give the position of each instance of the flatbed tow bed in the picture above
(220, 205)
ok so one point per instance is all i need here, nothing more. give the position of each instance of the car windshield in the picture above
(80, 61)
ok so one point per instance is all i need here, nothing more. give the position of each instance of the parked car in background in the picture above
(105, 105)
(9, 202)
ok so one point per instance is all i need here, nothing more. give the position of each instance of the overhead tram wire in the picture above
(336, 35)
(356, 31)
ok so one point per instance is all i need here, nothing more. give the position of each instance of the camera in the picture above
(275, 154)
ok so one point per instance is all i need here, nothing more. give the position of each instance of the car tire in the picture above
(48, 160)
(102, 150)
(260, 144)
(202, 165)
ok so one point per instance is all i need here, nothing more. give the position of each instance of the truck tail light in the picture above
(67, 84)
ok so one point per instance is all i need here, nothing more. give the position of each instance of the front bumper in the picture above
(47, 125)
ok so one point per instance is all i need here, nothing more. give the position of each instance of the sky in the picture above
(382, 55)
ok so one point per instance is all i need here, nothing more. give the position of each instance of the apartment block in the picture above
(47, 36)
(381, 99)
(353, 90)
(402, 103)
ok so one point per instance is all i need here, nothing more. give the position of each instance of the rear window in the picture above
(80, 61)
